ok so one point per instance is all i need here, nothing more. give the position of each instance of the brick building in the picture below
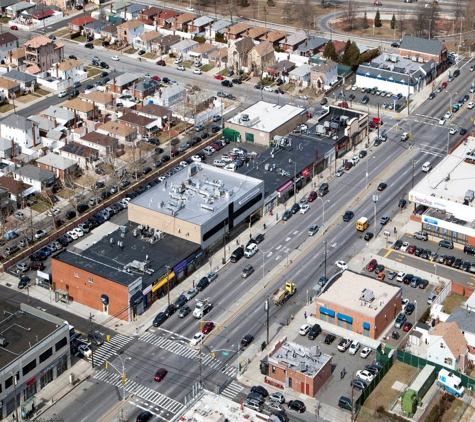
(360, 304)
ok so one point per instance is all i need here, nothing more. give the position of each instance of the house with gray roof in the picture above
(5, 3)
(44, 124)
(311, 46)
(23, 78)
(61, 116)
(35, 176)
(218, 27)
(14, 10)
(8, 44)
(94, 28)
(21, 130)
(8, 149)
(182, 48)
(61, 166)
(121, 82)
(200, 24)
(301, 75)
(422, 50)
(131, 12)
(170, 95)
(292, 41)
(145, 88)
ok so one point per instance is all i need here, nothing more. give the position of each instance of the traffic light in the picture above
(213, 354)
(107, 365)
(202, 323)
(124, 378)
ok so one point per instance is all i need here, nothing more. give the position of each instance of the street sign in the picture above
(395, 98)
(225, 353)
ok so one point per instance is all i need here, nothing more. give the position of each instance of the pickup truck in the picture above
(344, 344)
(202, 307)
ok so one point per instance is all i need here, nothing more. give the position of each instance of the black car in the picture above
(397, 244)
(297, 405)
(70, 214)
(170, 310)
(72, 56)
(258, 86)
(363, 153)
(465, 265)
(89, 45)
(458, 263)
(287, 215)
(215, 129)
(463, 131)
(165, 158)
(395, 45)
(23, 282)
(104, 65)
(368, 236)
(260, 390)
(74, 93)
(256, 397)
(295, 208)
(418, 251)
(202, 284)
(314, 332)
(329, 339)
(247, 340)
(402, 203)
(348, 216)
(259, 238)
(410, 309)
(82, 208)
(469, 250)
(236, 81)
(100, 185)
(144, 416)
(103, 74)
(159, 319)
(365, 100)
(227, 83)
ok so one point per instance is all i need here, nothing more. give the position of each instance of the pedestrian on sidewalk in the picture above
(305, 314)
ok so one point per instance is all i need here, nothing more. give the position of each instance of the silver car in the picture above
(313, 230)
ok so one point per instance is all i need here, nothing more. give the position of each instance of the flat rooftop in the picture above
(332, 125)
(141, 253)
(347, 291)
(197, 193)
(21, 330)
(307, 360)
(266, 117)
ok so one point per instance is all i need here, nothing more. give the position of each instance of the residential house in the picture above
(17, 58)
(123, 81)
(238, 54)
(5, 3)
(54, 136)
(339, 47)
(127, 31)
(147, 16)
(311, 46)
(261, 56)
(62, 167)
(448, 347)
(301, 75)
(182, 48)
(61, 116)
(147, 40)
(164, 44)
(199, 25)
(143, 125)
(39, 14)
(109, 33)
(256, 33)
(183, 21)
(119, 130)
(201, 52)
(292, 42)
(9, 88)
(274, 37)
(324, 75)
(118, 6)
(145, 88)
(104, 143)
(15, 10)
(8, 149)
(423, 49)
(78, 24)
(69, 69)
(464, 318)
(161, 114)
(82, 155)
(15, 188)
(130, 12)
(8, 44)
(83, 109)
(100, 99)
(219, 58)
(43, 52)
(171, 95)
(35, 176)
(281, 69)
(60, 4)
(236, 31)
(93, 29)
(44, 124)
(20, 129)
(218, 27)
(166, 17)
(25, 80)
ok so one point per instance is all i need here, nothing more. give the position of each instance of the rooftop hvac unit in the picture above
(367, 295)
(207, 207)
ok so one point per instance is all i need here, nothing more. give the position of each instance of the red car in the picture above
(312, 196)
(372, 265)
(411, 249)
(373, 125)
(156, 78)
(216, 147)
(348, 165)
(161, 372)
(378, 3)
(174, 153)
(37, 265)
(161, 63)
(219, 77)
(343, 105)
(407, 326)
(444, 85)
(14, 28)
(208, 327)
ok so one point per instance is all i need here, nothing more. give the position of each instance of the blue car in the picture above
(45, 251)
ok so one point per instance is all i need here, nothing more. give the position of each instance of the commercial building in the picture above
(444, 198)
(360, 304)
(200, 203)
(35, 351)
(261, 122)
(303, 369)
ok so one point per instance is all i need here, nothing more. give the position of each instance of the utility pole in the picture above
(375, 200)
(91, 340)
(352, 397)
(378, 120)
(14, 392)
(413, 161)
(168, 283)
(266, 307)
(325, 260)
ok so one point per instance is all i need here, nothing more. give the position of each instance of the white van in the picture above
(426, 167)
(230, 167)
(219, 163)
(251, 250)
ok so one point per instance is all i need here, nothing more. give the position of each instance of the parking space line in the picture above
(387, 253)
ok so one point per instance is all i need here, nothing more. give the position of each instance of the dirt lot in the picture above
(452, 301)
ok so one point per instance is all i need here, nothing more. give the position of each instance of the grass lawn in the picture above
(91, 72)
(148, 55)
(130, 51)
(97, 42)
(452, 301)
(223, 72)
(267, 82)
(4, 19)
(40, 207)
(6, 107)
(180, 127)
(186, 64)
(206, 67)
(384, 394)
(80, 39)
(42, 91)
(65, 193)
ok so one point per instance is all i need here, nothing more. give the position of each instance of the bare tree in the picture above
(306, 16)
(401, 25)
(232, 8)
(351, 15)
(288, 12)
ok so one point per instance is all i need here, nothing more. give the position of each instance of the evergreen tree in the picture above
(244, 3)
(365, 21)
(353, 55)
(330, 52)
(377, 20)
(345, 57)
(270, 3)
(393, 22)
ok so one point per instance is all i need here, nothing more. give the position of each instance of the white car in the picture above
(354, 87)
(442, 121)
(197, 71)
(275, 406)
(182, 68)
(85, 350)
(62, 94)
(303, 97)
(304, 329)
(448, 115)
(197, 339)
(73, 234)
(453, 131)
(341, 265)
(190, 9)
(365, 352)
(178, 61)
(400, 276)
(196, 158)
(355, 160)
(115, 58)
(404, 246)
(304, 209)
(268, 89)
(78, 231)
(471, 104)
(355, 346)
(54, 211)
(340, 172)
(365, 375)
(404, 303)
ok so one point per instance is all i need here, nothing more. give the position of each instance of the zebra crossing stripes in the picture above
(109, 348)
(140, 391)
(232, 390)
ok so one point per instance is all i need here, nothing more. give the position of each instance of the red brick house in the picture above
(165, 18)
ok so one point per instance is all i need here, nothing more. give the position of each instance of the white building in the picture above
(22, 130)
(70, 69)
(8, 44)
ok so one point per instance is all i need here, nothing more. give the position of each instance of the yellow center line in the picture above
(388, 253)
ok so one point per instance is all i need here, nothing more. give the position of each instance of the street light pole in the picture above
(375, 200)
(323, 203)
(168, 283)
(415, 312)
(295, 178)
(123, 372)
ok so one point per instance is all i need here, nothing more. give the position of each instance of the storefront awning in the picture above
(161, 282)
(326, 311)
(366, 325)
(346, 318)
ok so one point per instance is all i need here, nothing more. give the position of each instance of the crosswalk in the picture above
(109, 348)
(232, 390)
(174, 346)
(160, 402)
